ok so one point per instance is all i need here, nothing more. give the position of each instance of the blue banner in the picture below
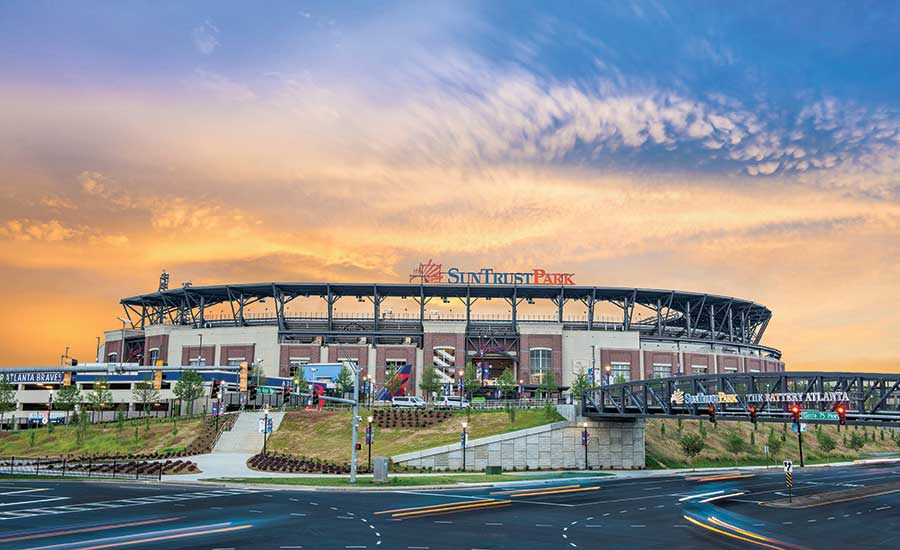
(33, 377)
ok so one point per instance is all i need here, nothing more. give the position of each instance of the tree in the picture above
(100, 397)
(735, 444)
(7, 398)
(66, 399)
(300, 379)
(188, 388)
(826, 442)
(580, 384)
(506, 383)
(857, 442)
(144, 393)
(431, 382)
(344, 380)
(470, 378)
(774, 442)
(619, 379)
(392, 381)
(548, 384)
(692, 445)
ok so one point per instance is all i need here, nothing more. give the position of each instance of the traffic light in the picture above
(752, 411)
(286, 392)
(841, 410)
(795, 414)
(711, 411)
(251, 390)
(215, 389)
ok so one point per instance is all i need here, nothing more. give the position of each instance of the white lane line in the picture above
(493, 523)
(26, 502)
(22, 491)
(882, 508)
(443, 522)
(418, 547)
(298, 514)
(291, 547)
(701, 495)
(638, 525)
(542, 525)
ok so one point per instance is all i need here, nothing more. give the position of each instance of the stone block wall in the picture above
(612, 445)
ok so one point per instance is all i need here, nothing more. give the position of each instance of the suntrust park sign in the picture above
(432, 273)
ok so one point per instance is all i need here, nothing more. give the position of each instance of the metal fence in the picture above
(90, 468)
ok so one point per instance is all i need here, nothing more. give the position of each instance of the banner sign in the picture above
(432, 273)
(33, 377)
(796, 397)
(681, 398)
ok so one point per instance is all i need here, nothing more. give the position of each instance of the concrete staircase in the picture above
(244, 437)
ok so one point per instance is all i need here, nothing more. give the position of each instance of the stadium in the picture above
(532, 322)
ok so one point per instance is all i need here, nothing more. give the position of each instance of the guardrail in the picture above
(109, 469)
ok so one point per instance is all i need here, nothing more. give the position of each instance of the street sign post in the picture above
(819, 415)
(788, 479)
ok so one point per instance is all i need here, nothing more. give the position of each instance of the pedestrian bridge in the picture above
(869, 399)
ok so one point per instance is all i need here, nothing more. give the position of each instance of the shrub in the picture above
(680, 425)
(662, 428)
(774, 442)
(735, 444)
(702, 429)
(826, 442)
(857, 442)
(692, 445)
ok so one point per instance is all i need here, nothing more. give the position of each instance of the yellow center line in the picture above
(468, 506)
(511, 492)
(427, 507)
(88, 529)
(543, 493)
(744, 532)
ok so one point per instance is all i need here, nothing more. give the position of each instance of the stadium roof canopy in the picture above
(698, 315)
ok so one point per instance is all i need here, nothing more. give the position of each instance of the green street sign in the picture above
(267, 389)
(816, 415)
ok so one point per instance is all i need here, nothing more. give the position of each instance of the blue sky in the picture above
(748, 149)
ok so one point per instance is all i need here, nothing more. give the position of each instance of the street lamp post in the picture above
(49, 407)
(584, 442)
(608, 370)
(464, 441)
(122, 343)
(370, 433)
(265, 427)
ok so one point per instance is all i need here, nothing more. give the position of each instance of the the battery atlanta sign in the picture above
(434, 273)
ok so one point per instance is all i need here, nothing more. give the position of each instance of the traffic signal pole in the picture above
(800, 442)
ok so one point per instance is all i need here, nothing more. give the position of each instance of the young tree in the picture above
(470, 378)
(188, 388)
(144, 393)
(580, 384)
(692, 445)
(857, 442)
(66, 399)
(506, 383)
(774, 442)
(100, 397)
(7, 398)
(735, 444)
(344, 380)
(431, 382)
(392, 381)
(300, 379)
(548, 384)
(826, 442)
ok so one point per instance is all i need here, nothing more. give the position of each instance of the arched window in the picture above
(541, 363)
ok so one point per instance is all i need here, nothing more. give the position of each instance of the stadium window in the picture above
(235, 361)
(662, 370)
(541, 361)
(620, 372)
(394, 363)
(154, 356)
(698, 369)
(112, 357)
(729, 369)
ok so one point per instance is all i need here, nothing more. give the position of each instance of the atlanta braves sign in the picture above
(432, 273)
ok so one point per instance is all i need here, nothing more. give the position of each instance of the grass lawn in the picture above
(664, 451)
(400, 481)
(102, 438)
(326, 434)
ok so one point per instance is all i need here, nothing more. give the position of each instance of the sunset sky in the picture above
(748, 149)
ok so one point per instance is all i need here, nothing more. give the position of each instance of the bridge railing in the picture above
(869, 399)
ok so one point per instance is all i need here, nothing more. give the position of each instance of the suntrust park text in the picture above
(489, 276)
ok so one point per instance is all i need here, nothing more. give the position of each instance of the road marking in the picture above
(493, 523)
(653, 488)
(691, 497)
(882, 508)
(418, 547)
(638, 526)
(542, 525)
(298, 514)
(291, 547)
(443, 522)
(24, 491)
(27, 502)
(101, 527)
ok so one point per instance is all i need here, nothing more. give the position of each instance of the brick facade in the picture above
(160, 342)
(309, 351)
(209, 354)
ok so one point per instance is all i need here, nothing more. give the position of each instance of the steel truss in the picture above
(672, 314)
(870, 399)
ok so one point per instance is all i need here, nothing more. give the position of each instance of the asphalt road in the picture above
(648, 512)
